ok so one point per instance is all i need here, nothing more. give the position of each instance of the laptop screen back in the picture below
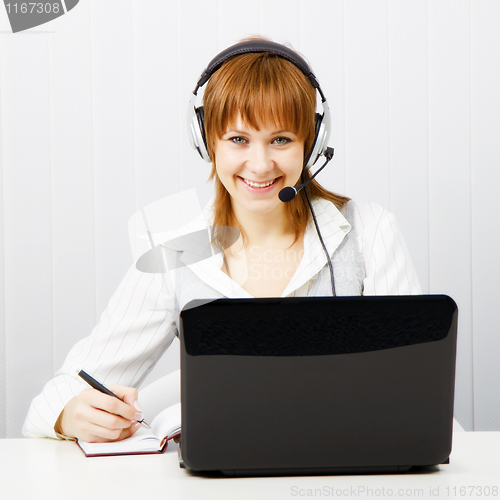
(317, 383)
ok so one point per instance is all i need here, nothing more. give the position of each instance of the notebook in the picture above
(317, 385)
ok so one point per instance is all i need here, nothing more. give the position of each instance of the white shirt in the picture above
(138, 325)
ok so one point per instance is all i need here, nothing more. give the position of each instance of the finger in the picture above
(130, 431)
(85, 415)
(130, 396)
(126, 394)
(107, 420)
(96, 434)
(110, 404)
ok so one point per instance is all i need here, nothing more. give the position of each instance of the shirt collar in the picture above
(333, 226)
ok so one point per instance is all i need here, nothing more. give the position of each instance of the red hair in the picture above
(262, 88)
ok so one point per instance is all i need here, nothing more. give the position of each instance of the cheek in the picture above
(224, 173)
(227, 163)
(296, 163)
(221, 167)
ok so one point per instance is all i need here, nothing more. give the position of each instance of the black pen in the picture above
(101, 388)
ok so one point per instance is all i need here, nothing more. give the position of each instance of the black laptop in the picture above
(317, 385)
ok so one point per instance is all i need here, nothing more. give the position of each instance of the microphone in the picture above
(289, 193)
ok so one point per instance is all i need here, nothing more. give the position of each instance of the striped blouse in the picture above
(138, 325)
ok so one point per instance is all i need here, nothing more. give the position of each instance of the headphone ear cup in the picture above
(196, 130)
(317, 143)
(200, 115)
(202, 149)
(318, 119)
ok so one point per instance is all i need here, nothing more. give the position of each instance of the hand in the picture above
(96, 417)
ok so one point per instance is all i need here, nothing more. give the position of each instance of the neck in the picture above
(265, 229)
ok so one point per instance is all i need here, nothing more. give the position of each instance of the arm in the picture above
(388, 266)
(134, 331)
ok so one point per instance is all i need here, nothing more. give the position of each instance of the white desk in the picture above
(47, 469)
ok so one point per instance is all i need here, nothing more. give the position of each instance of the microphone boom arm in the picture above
(289, 193)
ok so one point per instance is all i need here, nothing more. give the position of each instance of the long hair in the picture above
(263, 89)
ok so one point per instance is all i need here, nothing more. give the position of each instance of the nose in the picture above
(260, 160)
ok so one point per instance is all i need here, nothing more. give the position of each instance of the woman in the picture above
(259, 127)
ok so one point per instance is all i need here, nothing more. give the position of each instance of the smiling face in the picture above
(254, 96)
(254, 165)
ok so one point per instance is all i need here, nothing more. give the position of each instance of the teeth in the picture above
(255, 184)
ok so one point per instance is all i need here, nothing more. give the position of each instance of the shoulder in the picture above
(375, 227)
(388, 266)
(154, 225)
(366, 215)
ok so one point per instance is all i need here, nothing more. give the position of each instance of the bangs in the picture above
(265, 90)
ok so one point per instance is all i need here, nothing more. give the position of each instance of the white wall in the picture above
(92, 127)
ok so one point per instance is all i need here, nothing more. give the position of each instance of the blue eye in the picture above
(237, 140)
(282, 140)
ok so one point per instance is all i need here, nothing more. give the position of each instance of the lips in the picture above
(258, 185)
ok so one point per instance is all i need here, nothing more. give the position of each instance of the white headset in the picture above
(196, 118)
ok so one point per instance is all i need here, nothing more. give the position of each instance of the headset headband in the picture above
(195, 116)
(258, 46)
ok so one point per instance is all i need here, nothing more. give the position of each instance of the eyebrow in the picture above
(235, 131)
